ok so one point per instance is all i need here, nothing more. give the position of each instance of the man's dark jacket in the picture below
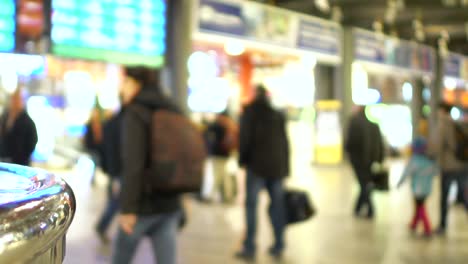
(111, 145)
(136, 129)
(263, 142)
(364, 142)
(18, 143)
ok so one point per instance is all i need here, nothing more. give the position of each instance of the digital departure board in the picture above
(119, 31)
(7, 25)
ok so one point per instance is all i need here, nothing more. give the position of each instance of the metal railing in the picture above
(36, 209)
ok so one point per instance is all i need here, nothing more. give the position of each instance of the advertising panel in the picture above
(265, 24)
(318, 36)
(220, 17)
(453, 65)
(126, 32)
(378, 48)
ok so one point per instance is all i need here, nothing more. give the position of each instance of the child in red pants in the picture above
(422, 170)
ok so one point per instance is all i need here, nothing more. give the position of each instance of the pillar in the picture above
(346, 69)
(179, 48)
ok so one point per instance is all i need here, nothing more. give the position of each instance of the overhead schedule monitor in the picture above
(7, 25)
(120, 31)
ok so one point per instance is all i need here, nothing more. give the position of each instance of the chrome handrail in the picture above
(36, 210)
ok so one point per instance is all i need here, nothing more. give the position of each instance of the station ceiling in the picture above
(425, 21)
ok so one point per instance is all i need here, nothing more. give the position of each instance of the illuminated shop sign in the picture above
(381, 49)
(265, 24)
(127, 32)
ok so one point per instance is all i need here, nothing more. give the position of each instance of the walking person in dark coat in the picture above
(365, 146)
(264, 152)
(112, 156)
(143, 212)
(452, 169)
(18, 135)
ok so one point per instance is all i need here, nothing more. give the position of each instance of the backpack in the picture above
(231, 134)
(461, 150)
(176, 155)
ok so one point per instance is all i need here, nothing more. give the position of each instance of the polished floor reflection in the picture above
(214, 231)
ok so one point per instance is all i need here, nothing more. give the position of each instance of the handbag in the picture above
(380, 177)
(298, 206)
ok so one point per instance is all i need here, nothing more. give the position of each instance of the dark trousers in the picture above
(447, 178)
(110, 211)
(363, 175)
(420, 214)
(276, 210)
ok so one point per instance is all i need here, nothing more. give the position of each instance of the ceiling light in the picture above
(444, 34)
(417, 24)
(466, 30)
(420, 35)
(377, 26)
(336, 14)
(323, 5)
(450, 3)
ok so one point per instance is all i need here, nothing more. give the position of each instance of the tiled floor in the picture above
(333, 236)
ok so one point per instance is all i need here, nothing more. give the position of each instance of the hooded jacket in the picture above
(263, 142)
(135, 157)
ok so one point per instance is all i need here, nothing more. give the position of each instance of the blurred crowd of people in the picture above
(121, 145)
(442, 151)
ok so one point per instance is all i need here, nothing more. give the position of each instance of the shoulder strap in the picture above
(142, 112)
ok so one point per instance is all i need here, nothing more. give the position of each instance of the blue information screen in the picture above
(7, 25)
(120, 31)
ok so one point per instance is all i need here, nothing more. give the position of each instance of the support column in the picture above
(346, 69)
(179, 48)
(417, 104)
(436, 90)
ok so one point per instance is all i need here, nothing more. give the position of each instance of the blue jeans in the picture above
(447, 178)
(110, 211)
(162, 230)
(276, 210)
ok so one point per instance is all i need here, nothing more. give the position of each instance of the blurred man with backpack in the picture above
(162, 157)
(264, 153)
(222, 137)
(453, 169)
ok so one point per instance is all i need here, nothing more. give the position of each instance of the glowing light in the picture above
(427, 94)
(455, 113)
(9, 80)
(200, 64)
(360, 84)
(450, 83)
(407, 91)
(234, 48)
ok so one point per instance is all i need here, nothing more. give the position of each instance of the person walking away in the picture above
(222, 136)
(421, 169)
(92, 140)
(112, 158)
(264, 153)
(364, 145)
(18, 135)
(143, 212)
(452, 170)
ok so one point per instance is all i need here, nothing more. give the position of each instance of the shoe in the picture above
(427, 235)
(245, 255)
(275, 252)
(105, 240)
(441, 231)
